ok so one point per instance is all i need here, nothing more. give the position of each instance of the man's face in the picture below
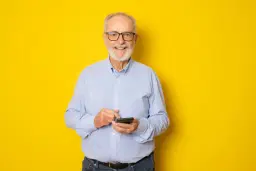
(120, 48)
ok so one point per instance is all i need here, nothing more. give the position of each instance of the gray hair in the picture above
(119, 14)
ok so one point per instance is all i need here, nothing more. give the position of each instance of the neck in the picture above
(118, 65)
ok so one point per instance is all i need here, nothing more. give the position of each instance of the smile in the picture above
(120, 48)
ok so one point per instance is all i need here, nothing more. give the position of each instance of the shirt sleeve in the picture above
(157, 121)
(76, 116)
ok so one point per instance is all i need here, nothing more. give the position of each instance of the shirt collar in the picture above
(125, 69)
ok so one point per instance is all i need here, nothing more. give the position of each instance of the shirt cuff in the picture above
(86, 125)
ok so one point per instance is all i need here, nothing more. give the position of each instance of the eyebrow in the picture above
(121, 32)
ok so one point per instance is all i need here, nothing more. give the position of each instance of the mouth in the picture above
(120, 48)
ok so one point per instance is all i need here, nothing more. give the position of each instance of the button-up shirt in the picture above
(135, 92)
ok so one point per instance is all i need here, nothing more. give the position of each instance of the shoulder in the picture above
(143, 68)
(92, 69)
(95, 67)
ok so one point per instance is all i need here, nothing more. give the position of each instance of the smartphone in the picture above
(124, 120)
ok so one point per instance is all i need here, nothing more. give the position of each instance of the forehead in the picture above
(119, 24)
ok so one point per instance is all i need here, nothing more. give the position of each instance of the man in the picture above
(112, 88)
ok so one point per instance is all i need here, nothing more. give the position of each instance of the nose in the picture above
(120, 40)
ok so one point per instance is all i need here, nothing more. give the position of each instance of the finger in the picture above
(105, 121)
(109, 111)
(135, 122)
(125, 126)
(116, 113)
(119, 129)
(114, 126)
(108, 117)
(113, 112)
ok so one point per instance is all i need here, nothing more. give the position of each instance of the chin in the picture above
(125, 57)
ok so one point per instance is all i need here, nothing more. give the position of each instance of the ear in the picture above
(136, 37)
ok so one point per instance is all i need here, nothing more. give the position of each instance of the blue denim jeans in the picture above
(145, 164)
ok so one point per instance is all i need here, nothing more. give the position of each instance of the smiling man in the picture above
(114, 89)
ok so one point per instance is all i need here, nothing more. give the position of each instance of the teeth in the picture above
(120, 48)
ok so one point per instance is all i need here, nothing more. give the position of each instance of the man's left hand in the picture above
(126, 128)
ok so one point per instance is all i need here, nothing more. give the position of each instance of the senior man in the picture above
(118, 87)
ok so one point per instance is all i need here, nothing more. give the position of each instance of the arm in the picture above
(158, 121)
(76, 116)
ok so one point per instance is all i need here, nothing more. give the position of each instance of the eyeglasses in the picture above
(114, 36)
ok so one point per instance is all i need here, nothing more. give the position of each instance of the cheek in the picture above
(131, 44)
(109, 44)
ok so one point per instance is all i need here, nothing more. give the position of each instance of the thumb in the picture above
(116, 113)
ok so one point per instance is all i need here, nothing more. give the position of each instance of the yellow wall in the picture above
(203, 52)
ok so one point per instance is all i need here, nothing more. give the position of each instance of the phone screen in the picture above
(124, 120)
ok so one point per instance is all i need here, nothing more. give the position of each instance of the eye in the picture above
(113, 34)
(127, 34)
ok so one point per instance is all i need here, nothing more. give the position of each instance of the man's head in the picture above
(120, 35)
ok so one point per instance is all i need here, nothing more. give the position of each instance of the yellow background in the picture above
(202, 51)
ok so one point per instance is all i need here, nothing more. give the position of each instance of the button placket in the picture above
(115, 136)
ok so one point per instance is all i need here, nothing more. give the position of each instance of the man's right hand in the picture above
(105, 117)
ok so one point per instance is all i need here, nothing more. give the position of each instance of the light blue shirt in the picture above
(136, 92)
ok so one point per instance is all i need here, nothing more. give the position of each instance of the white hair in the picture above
(119, 14)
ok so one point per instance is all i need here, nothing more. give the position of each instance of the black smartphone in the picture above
(124, 120)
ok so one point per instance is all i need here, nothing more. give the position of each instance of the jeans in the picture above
(145, 164)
